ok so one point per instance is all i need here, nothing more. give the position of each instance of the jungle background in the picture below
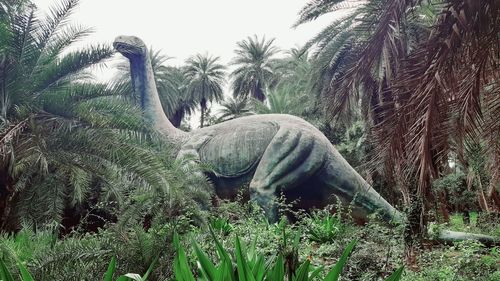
(407, 91)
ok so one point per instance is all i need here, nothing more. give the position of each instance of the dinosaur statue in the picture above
(272, 152)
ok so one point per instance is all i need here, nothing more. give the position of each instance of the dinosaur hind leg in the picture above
(291, 158)
(345, 183)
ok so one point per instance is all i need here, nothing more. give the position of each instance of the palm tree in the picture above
(184, 103)
(205, 77)
(293, 84)
(368, 55)
(254, 68)
(427, 74)
(59, 134)
(234, 108)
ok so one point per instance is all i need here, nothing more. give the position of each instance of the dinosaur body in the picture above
(276, 153)
(272, 153)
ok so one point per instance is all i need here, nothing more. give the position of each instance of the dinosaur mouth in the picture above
(124, 48)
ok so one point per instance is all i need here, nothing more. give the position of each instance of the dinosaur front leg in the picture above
(291, 158)
(267, 201)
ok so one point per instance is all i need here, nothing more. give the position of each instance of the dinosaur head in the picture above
(130, 46)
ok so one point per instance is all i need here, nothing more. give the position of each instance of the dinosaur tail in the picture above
(351, 188)
(347, 185)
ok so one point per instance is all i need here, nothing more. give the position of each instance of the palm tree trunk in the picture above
(493, 194)
(202, 118)
(483, 203)
(7, 193)
(443, 206)
(203, 105)
(176, 118)
(258, 93)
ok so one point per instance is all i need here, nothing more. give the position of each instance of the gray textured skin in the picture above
(274, 152)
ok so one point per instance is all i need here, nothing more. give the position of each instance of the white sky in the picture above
(181, 28)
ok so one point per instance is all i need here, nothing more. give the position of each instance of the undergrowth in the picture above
(318, 238)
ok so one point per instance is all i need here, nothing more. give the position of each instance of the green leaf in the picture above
(334, 274)
(302, 272)
(25, 274)
(277, 273)
(150, 269)
(244, 272)
(4, 272)
(182, 271)
(220, 249)
(206, 266)
(315, 273)
(396, 275)
(225, 272)
(111, 269)
(133, 276)
(258, 268)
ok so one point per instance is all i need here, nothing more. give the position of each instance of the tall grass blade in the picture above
(244, 272)
(396, 275)
(277, 272)
(150, 269)
(334, 274)
(4, 272)
(111, 269)
(302, 272)
(206, 266)
(182, 271)
(25, 274)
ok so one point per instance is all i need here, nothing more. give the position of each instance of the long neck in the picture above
(144, 85)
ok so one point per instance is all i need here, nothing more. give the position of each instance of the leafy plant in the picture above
(222, 225)
(324, 228)
(249, 265)
(6, 275)
(65, 140)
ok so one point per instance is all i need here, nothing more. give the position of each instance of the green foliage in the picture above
(221, 225)
(5, 275)
(252, 266)
(66, 142)
(282, 249)
(460, 196)
(323, 227)
(205, 77)
(254, 68)
(234, 108)
(467, 260)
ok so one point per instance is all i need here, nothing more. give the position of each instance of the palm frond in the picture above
(72, 63)
(316, 8)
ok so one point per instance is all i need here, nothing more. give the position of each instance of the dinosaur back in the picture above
(234, 150)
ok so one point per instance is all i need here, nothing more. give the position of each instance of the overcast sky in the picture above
(182, 28)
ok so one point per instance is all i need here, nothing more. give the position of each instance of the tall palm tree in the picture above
(60, 134)
(364, 53)
(254, 67)
(184, 103)
(205, 77)
(293, 83)
(427, 73)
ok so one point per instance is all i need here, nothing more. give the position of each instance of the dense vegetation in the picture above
(407, 90)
